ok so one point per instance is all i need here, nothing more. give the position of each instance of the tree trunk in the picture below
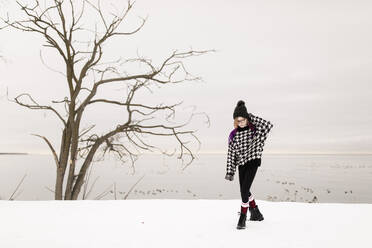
(64, 153)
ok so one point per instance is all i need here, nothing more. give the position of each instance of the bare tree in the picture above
(61, 25)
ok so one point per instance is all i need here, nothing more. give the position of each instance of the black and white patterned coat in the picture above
(245, 144)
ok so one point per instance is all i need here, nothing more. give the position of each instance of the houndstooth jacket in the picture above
(245, 144)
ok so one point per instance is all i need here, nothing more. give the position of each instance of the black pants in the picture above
(247, 173)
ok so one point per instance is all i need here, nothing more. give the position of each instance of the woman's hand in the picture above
(229, 177)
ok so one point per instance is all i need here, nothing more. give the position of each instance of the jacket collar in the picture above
(243, 128)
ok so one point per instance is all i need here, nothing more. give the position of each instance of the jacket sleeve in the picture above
(231, 159)
(263, 126)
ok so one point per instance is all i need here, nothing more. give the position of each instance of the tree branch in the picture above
(35, 105)
(51, 148)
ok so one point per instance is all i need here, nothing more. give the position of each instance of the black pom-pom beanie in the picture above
(241, 110)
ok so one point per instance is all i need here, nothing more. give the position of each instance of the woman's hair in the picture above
(235, 122)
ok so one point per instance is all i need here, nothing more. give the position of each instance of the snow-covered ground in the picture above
(181, 223)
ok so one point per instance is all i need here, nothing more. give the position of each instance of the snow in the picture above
(181, 223)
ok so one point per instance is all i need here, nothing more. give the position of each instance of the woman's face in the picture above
(242, 122)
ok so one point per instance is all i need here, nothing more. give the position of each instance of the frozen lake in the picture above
(301, 178)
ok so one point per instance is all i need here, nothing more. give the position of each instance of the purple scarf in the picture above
(232, 134)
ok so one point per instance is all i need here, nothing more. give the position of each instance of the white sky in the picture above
(303, 65)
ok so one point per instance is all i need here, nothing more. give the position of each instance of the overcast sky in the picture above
(303, 65)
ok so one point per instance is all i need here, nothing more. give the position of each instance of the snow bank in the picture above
(181, 223)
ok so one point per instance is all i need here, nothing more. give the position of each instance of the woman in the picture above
(245, 146)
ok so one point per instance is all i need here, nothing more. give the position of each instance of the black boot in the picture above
(242, 219)
(255, 214)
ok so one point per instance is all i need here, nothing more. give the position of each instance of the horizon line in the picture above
(217, 152)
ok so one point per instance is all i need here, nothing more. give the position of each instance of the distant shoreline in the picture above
(14, 153)
(222, 153)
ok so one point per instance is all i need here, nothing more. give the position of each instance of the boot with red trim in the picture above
(255, 214)
(243, 216)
